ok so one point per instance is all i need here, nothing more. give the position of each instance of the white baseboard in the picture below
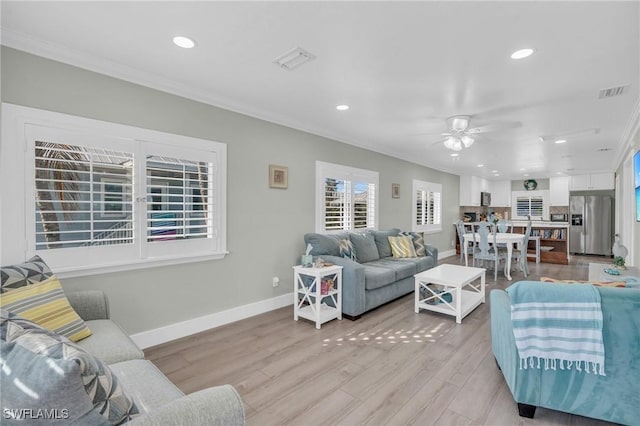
(447, 253)
(167, 333)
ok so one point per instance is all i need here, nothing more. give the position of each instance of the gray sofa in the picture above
(376, 277)
(159, 401)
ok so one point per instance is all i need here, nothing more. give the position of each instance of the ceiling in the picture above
(402, 67)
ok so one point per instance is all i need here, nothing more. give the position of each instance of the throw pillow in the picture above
(365, 246)
(596, 283)
(382, 241)
(346, 249)
(402, 247)
(32, 271)
(322, 245)
(418, 242)
(43, 370)
(45, 304)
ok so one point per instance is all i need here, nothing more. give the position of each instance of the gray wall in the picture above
(263, 242)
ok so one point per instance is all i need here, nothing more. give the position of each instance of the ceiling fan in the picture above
(460, 135)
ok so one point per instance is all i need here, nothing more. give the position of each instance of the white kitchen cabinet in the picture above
(592, 181)
(500, 193)
(470, 188)
(559, 191)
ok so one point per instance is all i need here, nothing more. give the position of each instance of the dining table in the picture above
(507, 238)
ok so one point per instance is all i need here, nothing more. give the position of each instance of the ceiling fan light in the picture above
(459, 124)
(448, 143)
(467, 141)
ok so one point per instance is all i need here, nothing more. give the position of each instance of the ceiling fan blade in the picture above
(495, 127)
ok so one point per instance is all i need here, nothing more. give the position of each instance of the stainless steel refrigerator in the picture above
(590, 231)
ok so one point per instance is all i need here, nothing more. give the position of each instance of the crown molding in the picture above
(626, 141)
(87, 61)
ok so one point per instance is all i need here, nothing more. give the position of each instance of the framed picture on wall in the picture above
(395, 190)
(278, 176)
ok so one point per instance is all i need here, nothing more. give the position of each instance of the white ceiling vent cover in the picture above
(612, 91)
(294, 58)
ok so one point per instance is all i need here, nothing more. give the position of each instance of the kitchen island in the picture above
(554, 239)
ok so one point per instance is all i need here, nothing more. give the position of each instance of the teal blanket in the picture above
(558, 326)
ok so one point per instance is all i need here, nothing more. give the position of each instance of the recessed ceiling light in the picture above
(522, 53)
(496, 174)
(561, 141)
(494, 171)
(526, 174)
(455, 154)
(480, 165)
(342, 107)
(184, 42)
(559, 173)
(522, 169)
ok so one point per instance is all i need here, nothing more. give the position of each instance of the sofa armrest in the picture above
(89, 304)
(353, 290)
(220, 405)
(432, 251)
(503, 341)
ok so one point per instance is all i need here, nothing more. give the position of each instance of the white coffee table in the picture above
(452, 278)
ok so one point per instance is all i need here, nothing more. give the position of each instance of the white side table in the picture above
(452, 278)
(308, 294)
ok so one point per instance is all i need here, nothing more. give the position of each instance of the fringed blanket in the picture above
(558, 326)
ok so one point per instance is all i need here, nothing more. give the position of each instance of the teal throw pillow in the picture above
(382, 241)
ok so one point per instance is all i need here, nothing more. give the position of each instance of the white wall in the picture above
(265, 226)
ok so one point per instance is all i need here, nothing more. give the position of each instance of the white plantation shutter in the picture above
(427, 206)
(178, 198)
(346, 198)
(83, 196)
(534, 204)
(101, 196)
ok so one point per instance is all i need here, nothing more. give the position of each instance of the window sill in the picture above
(83, 271)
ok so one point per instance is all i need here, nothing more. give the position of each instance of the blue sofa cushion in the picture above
(322, 244)
(382, 241)
(365, 245)
(422, 263)
(376, 277)
(400, 267)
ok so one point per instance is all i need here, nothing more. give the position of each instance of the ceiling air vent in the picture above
(611, 92)
(294, 58)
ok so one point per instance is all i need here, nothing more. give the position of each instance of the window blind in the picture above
(83, 196)
(178, 199)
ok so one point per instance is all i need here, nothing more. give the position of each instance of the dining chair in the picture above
(505, 226)
(484, 250)
(520, 255)
(461, 231)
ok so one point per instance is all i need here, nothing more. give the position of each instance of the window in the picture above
(427, 206)
(106, 194)
(346, 198)
(530, 204)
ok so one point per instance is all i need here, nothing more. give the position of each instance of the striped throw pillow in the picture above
(418, 242)
(402, 247)
(45, 304)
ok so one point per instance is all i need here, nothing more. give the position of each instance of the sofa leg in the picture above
(350, 317)
(526, 410)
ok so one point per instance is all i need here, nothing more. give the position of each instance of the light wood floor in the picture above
(391, 367)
